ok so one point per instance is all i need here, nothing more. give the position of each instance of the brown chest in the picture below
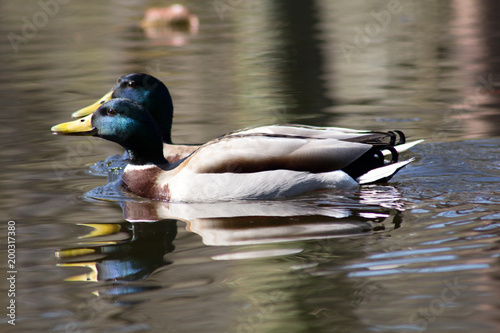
(143, 181)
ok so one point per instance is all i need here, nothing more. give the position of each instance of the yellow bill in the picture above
(90, 276)
(101, 229)
(91, 108)
(71, 253)
(82, 126)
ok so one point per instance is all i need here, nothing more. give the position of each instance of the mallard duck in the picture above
(239, 166)
(170, 25)
(155, 97)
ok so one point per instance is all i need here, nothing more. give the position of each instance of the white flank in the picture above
(189, 186)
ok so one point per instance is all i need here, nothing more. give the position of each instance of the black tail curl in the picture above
(374, 158)
(395, 134)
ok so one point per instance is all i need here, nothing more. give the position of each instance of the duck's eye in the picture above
(131, 84)
(111, 112)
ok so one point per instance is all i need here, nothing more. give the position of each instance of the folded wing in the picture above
(244, 153)
(303, 130)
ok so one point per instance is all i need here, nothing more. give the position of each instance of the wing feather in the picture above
(303, 130)
(260, 152)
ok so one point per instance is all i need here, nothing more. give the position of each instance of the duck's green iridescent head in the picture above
(146, 90)
(125, 122)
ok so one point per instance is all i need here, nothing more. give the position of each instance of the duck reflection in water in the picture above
(121, 252)
(133, 249)
(250, 223)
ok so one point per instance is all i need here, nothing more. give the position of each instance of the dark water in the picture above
(417, 254)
